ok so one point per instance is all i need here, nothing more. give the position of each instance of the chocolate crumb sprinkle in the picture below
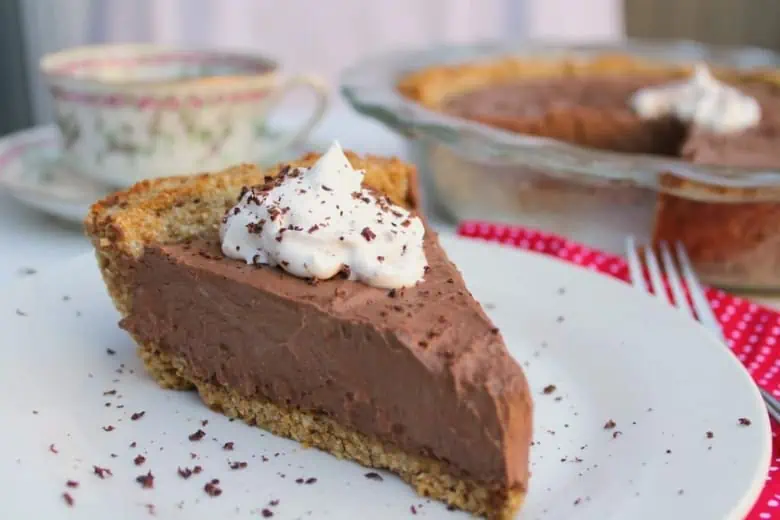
(549, 389)
(310, 480)
(139, 459)
(101, 472)
(110, 352)
(212, 489)
(609, 424)
(137, 415)
(184, 473)
(53, 449)
(744, 421)
(238, 465)
(68, 499)
(228, 446)
(372, 475)
(413, 510)
(710, 435)
(198, 435)
(368, 234)
(146, 481)
(108, 428)
(267, 513)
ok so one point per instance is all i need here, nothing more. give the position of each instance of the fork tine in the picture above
(634, 265)
(656, 279)
(700, 303)
(680, 300)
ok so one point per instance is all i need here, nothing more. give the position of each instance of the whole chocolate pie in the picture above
(412, 378)
(731, 233)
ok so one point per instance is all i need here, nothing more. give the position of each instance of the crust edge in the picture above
(431, 85)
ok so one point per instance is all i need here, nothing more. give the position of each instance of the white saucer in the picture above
(32, 172)
(612, 353)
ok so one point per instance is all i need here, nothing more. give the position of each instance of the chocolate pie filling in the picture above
(421, 368)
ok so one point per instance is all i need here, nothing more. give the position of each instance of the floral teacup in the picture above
(131, 112)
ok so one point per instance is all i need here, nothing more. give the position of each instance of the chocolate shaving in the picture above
(549, 389)
(368, 234)
(146, 481)
(184, 473)
(228, 446)
(53, 449)
(372, 475)
(198, 435)
(68, 499)
(267, 513)
(609, 424)
(101, 472)
(72, 484)
(744, 421)
(139, 459)
(212, 489)
(238, 465)
(137, 415)
(108, 428)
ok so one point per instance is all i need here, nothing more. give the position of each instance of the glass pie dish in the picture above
(727, 216)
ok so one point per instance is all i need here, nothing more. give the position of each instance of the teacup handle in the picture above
(320, 91)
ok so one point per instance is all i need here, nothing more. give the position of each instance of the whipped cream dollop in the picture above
(319, 222)
(701, 100)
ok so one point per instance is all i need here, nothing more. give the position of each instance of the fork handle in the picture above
(772, 404)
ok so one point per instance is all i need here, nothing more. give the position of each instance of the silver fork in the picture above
(678, 279)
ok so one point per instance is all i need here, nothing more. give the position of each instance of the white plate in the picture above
(612, 353)
(33, 172)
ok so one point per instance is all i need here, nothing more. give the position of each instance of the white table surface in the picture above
(33, 241)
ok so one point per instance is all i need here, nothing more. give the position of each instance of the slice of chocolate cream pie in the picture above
(307, 302)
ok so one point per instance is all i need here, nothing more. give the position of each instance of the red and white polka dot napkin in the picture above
(752, 330)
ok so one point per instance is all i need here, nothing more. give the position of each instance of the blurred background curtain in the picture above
(304, 35)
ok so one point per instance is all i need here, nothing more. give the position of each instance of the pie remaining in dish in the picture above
(415, 380)
(731, 233)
